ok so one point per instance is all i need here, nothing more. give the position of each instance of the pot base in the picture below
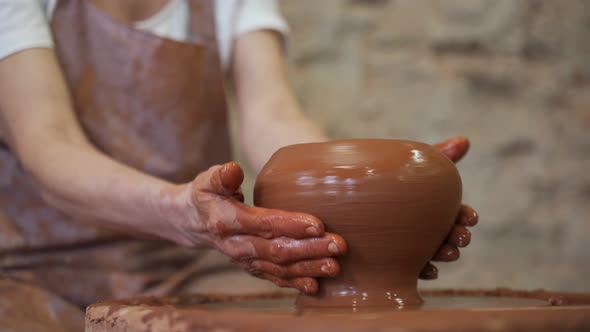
(481, 310)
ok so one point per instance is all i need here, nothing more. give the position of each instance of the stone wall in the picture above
(512, 75)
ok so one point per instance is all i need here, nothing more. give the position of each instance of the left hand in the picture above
(459, 237)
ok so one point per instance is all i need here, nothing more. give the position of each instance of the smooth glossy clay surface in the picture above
(500, 310)
(393, 201)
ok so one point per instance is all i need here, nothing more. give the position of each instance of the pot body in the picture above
(393, 201)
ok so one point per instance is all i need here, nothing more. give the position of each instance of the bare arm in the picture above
(269, 115)
(38, 123)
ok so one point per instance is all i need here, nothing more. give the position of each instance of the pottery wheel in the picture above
(444, 310)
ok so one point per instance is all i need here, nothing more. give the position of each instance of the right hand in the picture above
(459, 236)
(288, 248)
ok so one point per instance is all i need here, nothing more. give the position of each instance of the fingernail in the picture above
(333, 248)
(429, 275)
(312, 231)
(325, 268)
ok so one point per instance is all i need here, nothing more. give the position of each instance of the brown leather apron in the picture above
(152, 103)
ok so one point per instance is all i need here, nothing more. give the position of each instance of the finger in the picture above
(454, 148)
(268, 223)
(460, 236)
(285, 250)
(467, 216)
(305, 285)
(282, 250)
(429, 272)
(224, 179)
(446, 253)
(327, 267)
(238, 195)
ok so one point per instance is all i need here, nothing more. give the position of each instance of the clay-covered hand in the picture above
(290, 249)
(459, 237)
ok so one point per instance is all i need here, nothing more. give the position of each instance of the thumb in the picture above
(226, 179)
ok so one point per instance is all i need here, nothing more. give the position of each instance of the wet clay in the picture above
(393, 201)
(443, 310)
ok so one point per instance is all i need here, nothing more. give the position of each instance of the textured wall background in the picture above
(512, 75)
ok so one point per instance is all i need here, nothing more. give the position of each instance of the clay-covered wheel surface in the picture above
(444, 310)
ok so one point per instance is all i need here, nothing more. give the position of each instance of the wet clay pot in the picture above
(393, 201)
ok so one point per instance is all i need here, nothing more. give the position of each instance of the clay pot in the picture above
(393, 201)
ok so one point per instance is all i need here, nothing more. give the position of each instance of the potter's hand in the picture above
(459, 237)
(290, 249)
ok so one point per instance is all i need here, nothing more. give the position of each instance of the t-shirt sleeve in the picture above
(255, 15)
(246, 16)
(23, 25)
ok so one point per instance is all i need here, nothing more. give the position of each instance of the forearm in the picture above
(38, 123)
(272, 123)
(86, 184)
(268, 113)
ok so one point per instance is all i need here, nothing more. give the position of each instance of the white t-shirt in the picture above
(25, 23)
